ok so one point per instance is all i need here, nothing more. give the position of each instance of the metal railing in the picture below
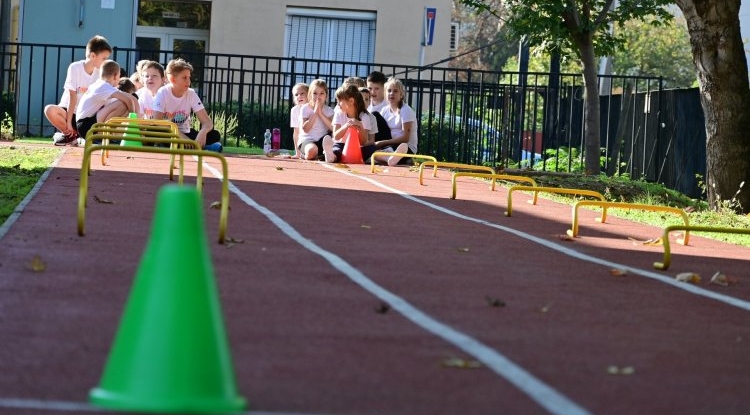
(507, 119)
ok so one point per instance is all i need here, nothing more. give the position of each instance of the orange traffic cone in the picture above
(352, 153)
(171, 352)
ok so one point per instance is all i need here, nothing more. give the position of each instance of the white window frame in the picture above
(336, 19)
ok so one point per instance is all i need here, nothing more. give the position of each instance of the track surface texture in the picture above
(351, 293)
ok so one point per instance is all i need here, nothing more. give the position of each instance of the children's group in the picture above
(371, 111)
(97, 89)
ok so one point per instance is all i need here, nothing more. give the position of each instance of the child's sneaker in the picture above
(213, 147)
(328, 149)
(402, 148)
(61, 139)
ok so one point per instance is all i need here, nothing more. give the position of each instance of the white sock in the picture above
(402, 148)
(328, 149)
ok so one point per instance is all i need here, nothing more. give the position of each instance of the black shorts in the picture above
(212, 136)
(84, 125)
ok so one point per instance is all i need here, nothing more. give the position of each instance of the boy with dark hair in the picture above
(103, 100)
(80, 75)
(375, 82)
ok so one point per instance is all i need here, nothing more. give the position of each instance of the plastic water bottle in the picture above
(267, 141)
(276, 140)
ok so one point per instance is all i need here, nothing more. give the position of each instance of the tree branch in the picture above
(602, 17)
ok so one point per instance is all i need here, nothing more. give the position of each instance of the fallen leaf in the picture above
(463, 249)
(105, 201)
(545, 308)
(721, 279)
(37, 264)
(382, 308)
(617, 272)
(494, 302)
(564, 237)
(622, 371)
(365, 226)
(461, 363)
(653, 242)
(689, 277)
(215, 205)
(279, 168)
(235, 240)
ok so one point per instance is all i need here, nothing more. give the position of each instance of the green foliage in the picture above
(438, 138)
(224, 123)
(252, 120)
(731, 205)
(657, 50)
(20, 168)
(565, 159)
(7, 132)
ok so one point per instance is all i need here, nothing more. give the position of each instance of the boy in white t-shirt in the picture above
(80, 75)
(376, 84)
(103, 100)
(177, 102)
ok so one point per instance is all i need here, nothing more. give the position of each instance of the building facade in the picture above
(387, 31)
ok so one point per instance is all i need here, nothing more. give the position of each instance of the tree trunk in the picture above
(591, 108)
(719, 58)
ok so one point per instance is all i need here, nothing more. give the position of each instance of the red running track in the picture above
(323, 248)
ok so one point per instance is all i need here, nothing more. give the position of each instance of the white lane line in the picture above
(63, 406)
(544, 395)
(693, 289)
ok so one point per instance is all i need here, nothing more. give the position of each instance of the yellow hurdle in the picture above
(665, 238)
(117, 127)
(462, 166)
(573, 232)
(388, 153)
(560, 190)
(180, 143)
(492, 176)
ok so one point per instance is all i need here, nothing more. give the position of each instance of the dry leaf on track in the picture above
(37, 264)
(689, 277)
(105, 201)
(461, 363)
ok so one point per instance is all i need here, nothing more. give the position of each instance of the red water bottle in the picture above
(276, 140)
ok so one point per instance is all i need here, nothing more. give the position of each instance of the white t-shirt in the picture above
(379, 108)
(396, 121)
(94, 99)
(77, 80)
(294, 120)
(340, 119)
(146, 102)
(319, 129)
(177, 109)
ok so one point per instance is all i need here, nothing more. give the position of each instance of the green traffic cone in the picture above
(171, 353)
(131, 131)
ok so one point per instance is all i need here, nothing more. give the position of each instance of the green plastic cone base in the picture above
(131, 132)
(171, 353)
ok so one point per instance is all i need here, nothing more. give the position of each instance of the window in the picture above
(455, 27)
(332, 35)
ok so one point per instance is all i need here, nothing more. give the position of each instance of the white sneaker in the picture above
(57, 137)
(328, 149)
(402, 148)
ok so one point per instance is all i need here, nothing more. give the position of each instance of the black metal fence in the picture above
(508, 119)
